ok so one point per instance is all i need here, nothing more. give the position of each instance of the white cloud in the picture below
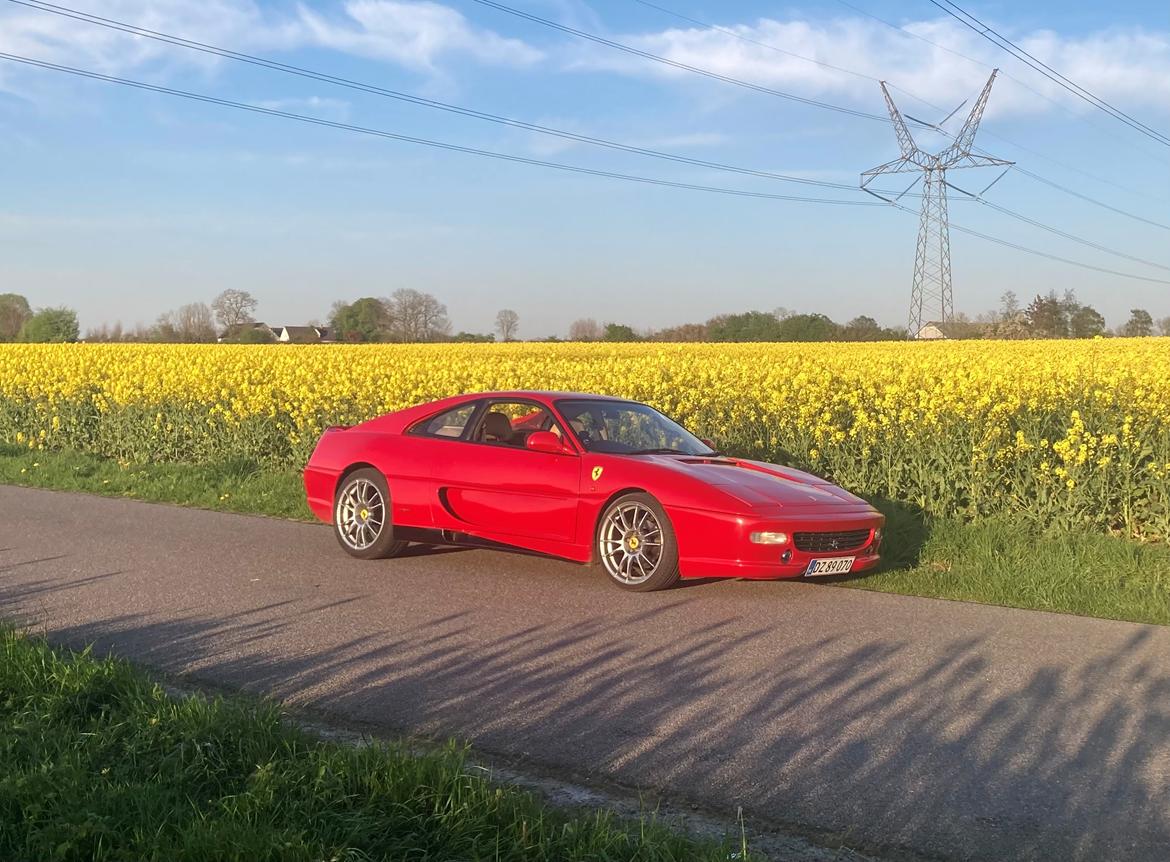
(1131, 67)
(416, 34)
(412, 34)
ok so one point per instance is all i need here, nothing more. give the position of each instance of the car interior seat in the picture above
(497, 428)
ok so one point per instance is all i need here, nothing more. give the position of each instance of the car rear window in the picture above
(449, 423)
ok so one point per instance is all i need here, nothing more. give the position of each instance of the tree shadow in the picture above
(969, 733)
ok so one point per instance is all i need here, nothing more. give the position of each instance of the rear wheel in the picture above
(361, 517)
(636, 544)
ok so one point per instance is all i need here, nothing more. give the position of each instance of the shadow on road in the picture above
(813, 732)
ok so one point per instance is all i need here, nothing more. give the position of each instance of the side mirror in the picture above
(545, 441)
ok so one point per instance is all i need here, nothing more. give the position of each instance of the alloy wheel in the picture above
(631, 543)
(361, 514)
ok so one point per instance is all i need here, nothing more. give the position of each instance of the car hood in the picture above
(762, 486)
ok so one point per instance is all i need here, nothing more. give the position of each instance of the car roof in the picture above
(546, 394)
(399, 420)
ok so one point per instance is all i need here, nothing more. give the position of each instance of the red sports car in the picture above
(585, 478)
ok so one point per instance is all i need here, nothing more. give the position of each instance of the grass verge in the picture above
(1002, 562)
(97, 762)
(230, 486)
(996, 561)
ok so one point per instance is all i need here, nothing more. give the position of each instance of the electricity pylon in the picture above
(932, 262)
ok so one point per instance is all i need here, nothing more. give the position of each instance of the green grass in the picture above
(233, 486)
(97, 762)
(996, 561)
(1002, 562)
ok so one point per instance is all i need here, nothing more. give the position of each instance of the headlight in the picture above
(769, 538)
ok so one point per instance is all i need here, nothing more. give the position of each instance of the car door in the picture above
(491, 484)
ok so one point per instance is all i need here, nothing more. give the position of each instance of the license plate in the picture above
(834, 566)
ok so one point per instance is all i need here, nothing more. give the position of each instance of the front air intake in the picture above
(820, 543)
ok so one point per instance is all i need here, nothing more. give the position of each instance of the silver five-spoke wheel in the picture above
(636, 545)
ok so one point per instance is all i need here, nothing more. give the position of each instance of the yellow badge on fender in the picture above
(597, 471)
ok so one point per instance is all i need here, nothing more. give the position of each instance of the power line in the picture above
(707, 73)
(1057, 231)
(198, 97)
(726, 79)
(1053, 184)
(1088, 199)
(991, 35)
(1044, 254)
(410, 139)
(301, 71)
(756, 42)
(908, 34)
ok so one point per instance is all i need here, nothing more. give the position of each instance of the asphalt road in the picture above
(950, 729)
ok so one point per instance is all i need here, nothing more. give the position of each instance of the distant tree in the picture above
(164, 329)
(747, 326)
(507, 324)
(1012, 328)
(365, 319)
(1046, 317)
(1164, 326)
(1009, 305)
(862, 328)
(189, 324)
(14, 311)
(106, 332)
(620, 332)
(416, 316)
(195, 323)
(683, 332)
(808, 327)
(962, 327)
(1140, 324)
(233, 308)
(865, 328)
(585, 329)
(474, 337)
(255, 335)
(1086, 322)
(51, 325)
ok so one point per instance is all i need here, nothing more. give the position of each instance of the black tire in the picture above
(361, 516)
(628, 532)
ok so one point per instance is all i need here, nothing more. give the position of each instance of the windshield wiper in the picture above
(665, 451)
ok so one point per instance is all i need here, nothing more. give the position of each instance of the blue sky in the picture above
(125, 204)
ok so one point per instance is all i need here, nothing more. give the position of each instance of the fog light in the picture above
(769, 538)
(786, 556)
(877, 536)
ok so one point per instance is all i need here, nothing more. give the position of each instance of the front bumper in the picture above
(717, 545)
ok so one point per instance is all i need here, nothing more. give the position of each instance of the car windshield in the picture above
(627, 428)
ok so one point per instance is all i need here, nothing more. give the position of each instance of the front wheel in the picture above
(636, 544)
(361, 517)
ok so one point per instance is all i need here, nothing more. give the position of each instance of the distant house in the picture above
(301, 334)
(934, 330)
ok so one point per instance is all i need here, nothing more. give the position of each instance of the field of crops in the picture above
(1072, 435)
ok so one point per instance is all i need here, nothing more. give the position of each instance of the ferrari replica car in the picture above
(585, 478)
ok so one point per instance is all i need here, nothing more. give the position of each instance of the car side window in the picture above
(509, 423)
(450, 423)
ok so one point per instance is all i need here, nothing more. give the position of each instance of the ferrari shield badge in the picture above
(597, 471)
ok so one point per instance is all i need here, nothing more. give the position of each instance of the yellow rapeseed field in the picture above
(1072, 434)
